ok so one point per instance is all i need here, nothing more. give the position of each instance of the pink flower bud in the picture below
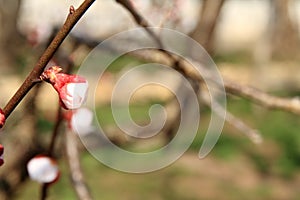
(72, 89)
(1, 155)
(43, 169)
(2, 118)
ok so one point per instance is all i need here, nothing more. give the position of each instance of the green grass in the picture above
(138, 112)
(234, 57)
(279, 127)
(122, 62)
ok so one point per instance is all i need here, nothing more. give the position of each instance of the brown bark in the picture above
(204, 32)
(285, 40)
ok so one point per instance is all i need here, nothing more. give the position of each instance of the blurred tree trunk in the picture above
(204, 32)
(285, 40)
(10, 39)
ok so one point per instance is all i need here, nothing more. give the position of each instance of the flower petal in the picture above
(75, 95)
(43, 169)
(2, 118)
(81, 121)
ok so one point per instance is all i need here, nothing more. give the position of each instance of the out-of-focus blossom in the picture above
(80, 121)
(1, 155)
(2, 118)
(72, 89)
(43, 169)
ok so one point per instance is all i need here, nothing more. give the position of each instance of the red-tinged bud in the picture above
(49, 75)
(72, 89)
(43, 169)
(1, 149)
(2, 118)
(1, 155)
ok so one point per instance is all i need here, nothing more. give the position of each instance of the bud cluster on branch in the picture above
(72, 91)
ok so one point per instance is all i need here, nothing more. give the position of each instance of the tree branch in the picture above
(72, 19)
(257, 96)
(59, 119)
(287, 104)
(77, 176)
(205, 29)
(253, 134)
(140, 20)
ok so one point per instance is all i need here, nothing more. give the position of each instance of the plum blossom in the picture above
(1, 155)
(2, 118)
(80, 121)
(2, 122)
(43, 169)
(72, 89)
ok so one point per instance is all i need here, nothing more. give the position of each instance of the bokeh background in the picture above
(253, 42)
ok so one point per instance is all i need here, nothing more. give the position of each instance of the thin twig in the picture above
(287, 104)
(44, 191)
(140, 20)
(257, 96)
(72, 19)
(77, 176)
(59, 119)
(253, 134)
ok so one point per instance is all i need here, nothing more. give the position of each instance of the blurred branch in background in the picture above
(75, 169)
(257, 96)
(285, 35)
(209, 17)
(253, 134)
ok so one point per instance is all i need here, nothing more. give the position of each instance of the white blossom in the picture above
(43, 169)
(81, 121)
(76, 94)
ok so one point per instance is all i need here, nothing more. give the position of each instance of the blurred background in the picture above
(253, 42)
